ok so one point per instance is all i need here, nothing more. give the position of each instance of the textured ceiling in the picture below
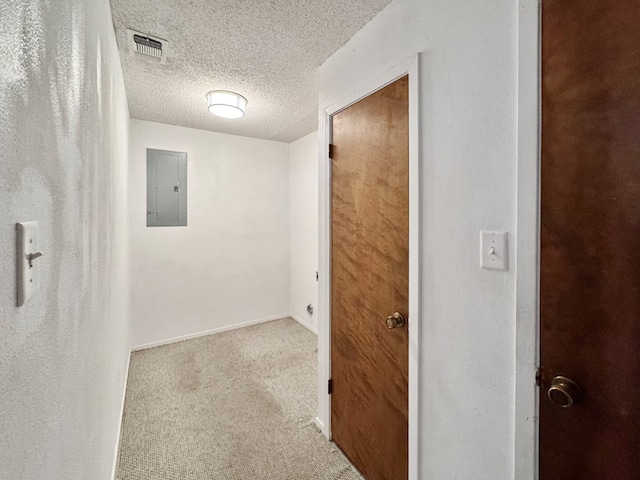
(266, 50)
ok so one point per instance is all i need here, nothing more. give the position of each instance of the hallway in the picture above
(80, 108)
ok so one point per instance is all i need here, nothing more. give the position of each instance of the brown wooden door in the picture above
(369, 278)
(590, 238)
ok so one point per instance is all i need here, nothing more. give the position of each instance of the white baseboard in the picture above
(303, 323)
(116, 456)
(320, 425)
(208, 332)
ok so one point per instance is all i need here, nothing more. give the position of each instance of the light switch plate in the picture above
(493, 250)
(28, 272)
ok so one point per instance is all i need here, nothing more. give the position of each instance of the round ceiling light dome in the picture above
(226, 104)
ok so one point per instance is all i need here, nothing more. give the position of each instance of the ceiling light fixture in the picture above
(226, 104)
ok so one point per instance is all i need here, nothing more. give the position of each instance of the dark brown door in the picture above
(370, 275)
(590, 240)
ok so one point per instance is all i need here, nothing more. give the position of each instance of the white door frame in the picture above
(527, 242)
(411, 67)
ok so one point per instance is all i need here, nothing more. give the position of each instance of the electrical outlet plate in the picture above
(493, 250)
(27, 271)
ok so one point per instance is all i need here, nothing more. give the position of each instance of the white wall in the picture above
(230, 265)
(63, 138)
(468, 161)
(303, 221)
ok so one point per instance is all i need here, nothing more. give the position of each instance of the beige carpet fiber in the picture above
(237, 405)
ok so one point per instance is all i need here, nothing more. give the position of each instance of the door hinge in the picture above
(332, 149)
(538, 376)
(330, 387)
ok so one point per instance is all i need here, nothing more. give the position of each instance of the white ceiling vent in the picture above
(143, 45)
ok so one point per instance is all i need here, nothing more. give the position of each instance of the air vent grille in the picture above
(146, 46)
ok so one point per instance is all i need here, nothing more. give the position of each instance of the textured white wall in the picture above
(63, 137)
(230, 265)
(468, 160)
(303, 221)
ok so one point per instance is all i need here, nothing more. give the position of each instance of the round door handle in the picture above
(564, 392)
(396, 320)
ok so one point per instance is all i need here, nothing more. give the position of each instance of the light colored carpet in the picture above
(237, 405)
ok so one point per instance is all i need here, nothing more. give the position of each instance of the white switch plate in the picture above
(28, 272)
(493, 250)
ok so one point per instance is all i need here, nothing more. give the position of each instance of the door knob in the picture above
(396, 320)
(564, 392)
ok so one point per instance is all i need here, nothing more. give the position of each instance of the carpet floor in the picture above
(237, 405)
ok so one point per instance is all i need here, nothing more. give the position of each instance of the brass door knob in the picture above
(564, 392)
(396, 320)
